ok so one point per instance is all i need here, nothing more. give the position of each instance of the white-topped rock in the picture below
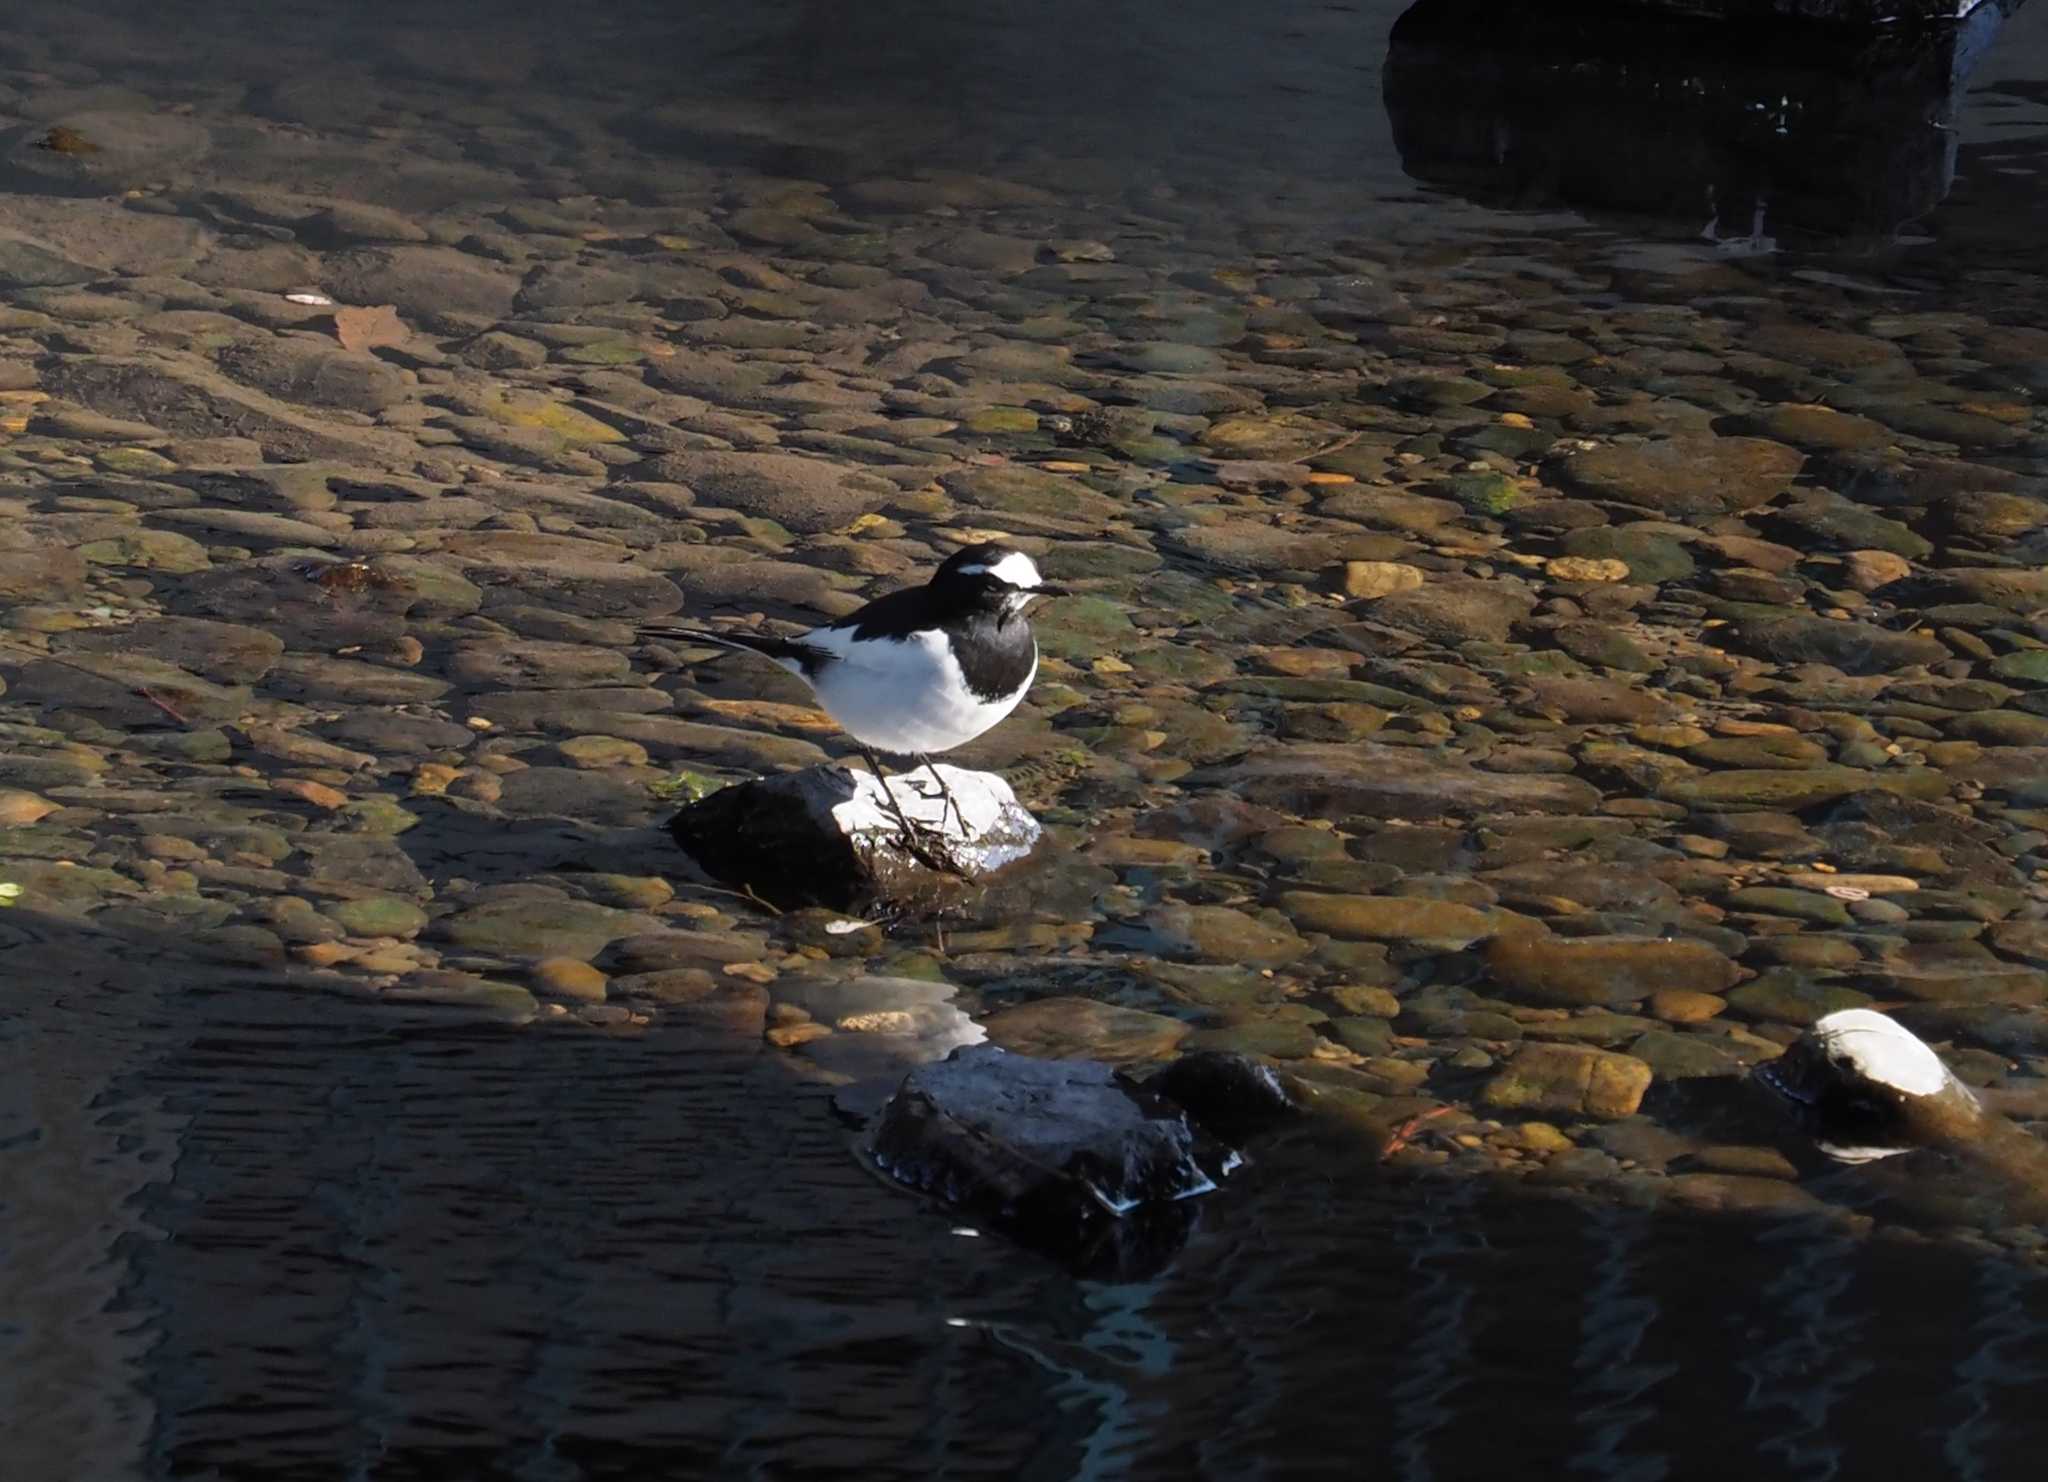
(832, 835)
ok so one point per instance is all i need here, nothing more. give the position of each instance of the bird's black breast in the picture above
(996, 659)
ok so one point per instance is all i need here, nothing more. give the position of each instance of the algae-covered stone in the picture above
(1806, 905)
(1443, 926)
(1775, 789)
(1063, 1027)
(456, 990)
(1690, 475)
(541, 927)
(152, 550)
(1277, 1039)
(565, 977)
(1573, 971)
(378, 916)
(1789, 996)
(1221, 934)
(1684, 1057)
(1569, 1080)
(1486, 493)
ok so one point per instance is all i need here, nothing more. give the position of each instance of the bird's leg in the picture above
(912, 832)
(894, 806)
(946, 793)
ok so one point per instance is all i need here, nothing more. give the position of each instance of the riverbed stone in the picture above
(1573, 971)
(1692, 475)
(1569, 1080)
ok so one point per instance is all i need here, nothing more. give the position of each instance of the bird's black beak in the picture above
(1046, 589)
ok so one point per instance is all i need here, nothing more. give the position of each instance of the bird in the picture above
(920, 670)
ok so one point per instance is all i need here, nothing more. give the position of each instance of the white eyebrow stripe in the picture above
(1016, 568)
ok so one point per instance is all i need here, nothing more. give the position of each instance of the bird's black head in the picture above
(994, 576)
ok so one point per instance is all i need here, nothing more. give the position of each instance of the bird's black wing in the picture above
(898, 615)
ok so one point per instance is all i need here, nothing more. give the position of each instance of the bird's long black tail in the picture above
(782, 650)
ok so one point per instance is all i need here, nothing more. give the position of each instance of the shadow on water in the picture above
(253, 1231)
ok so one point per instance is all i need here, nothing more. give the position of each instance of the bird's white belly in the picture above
(907, 697)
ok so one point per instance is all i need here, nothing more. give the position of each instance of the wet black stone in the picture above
(1060, 1155)
(1229, 1094)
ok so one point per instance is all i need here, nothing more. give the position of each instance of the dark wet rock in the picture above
(421, 282)
(1623, 887)
(499, 351)
(1573, 971)
(110, 151)
(394, 733)
(1780, 789)
(1815, 428)
(1651, 555)
(303, 370)
(1272, 1039)
(1971, 980)
(1803, 905)
(472, 992)
(1685, 475)
(2004, 1028)
(228, 653)
(1443, 926)
(1568, 1080)
(1335, 781)
(378, 916)
(146, 549)
(128, 690)
(1221, 933)
(1059, 1155)
(540, 923)
(1771, 752)
(829, 836)
(1234, 1096)
(1823, 521)
(26, 265)
(2010, 590)
(1597, 701)
(28, 575)
(1602, 645)
(805, 494)
(1064, 1028)
(1793, 996)
(189, 401)
(1457, 610)
(526, 664)
(1028, 491)
(2027, 940)
(1684, 1057)
(536, 792)
(586, 588)
(319, 221)
(321, 677)
(1854, 648)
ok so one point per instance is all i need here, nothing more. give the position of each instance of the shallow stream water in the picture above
(1516, 514)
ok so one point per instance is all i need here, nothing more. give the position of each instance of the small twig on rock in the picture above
(1323, 452)
(164, 705)
(1404, 1134)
